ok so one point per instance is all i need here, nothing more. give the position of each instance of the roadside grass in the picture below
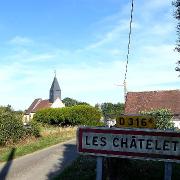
(84, 168)
(49, 136)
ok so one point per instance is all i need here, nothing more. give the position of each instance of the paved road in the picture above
(40, 165)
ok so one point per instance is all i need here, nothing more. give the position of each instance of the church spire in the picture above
(55, 91)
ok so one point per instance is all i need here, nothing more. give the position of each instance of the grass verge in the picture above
(49, 136)
(84, 168)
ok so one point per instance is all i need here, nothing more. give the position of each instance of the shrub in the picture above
(50, 116)
(11, 126)
(84, 115)
(163, 118)
(32, 129)
(75, 115)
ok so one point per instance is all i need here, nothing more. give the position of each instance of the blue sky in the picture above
(86, 42)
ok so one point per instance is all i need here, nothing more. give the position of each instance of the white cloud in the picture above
(156, 4)
(157, 29)
(20, 40)
(121, 29)
(154, 69)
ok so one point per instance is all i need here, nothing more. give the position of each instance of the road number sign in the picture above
(129, 143)
(135, 121)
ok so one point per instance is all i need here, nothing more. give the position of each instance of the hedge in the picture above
(32, 129)
(163, 118)
(75, 115)
(12, 128)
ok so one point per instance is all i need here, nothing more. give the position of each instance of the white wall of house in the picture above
(57, 104)
(176, 121)
(27, 117)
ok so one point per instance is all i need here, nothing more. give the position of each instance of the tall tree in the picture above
(112, 110)
(72, 102)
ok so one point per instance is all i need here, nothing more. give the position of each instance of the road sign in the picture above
(130, 143)
(135, 121)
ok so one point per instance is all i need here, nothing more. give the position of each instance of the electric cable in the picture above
(129, 42)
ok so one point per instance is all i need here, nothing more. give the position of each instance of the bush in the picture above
(84, 115)
(51, 116)
(163, 118)
(11, 126)
(75, 115)
(33, 129)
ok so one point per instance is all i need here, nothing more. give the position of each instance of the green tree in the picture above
(11, 125)
(112, 110)
(12, 128)
(163, 118)
(72, 102)
(69, 102)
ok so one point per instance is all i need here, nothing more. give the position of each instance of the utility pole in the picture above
(178, 67)
(125, 89)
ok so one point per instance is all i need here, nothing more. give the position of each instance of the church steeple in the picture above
(55, 91)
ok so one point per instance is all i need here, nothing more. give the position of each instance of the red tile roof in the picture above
(31, 107)
(43, 104)
(141, 101)
(37, 105)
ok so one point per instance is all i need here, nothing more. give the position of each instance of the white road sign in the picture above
(130, 143)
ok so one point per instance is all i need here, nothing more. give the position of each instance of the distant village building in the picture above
(146, 101)
(54, 101)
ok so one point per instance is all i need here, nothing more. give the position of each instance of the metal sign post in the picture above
(99, 160)
(167, 170)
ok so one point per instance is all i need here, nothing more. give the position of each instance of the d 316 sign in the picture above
(135, 121)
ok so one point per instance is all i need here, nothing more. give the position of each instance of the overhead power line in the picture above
(128, 49)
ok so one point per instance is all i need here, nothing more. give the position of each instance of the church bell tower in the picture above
(55, 91)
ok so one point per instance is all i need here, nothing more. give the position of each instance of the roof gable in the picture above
(37, 105)
(33, 105)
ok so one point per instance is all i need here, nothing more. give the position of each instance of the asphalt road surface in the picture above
(41, 165)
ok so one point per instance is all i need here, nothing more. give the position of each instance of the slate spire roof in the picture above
(55, 91)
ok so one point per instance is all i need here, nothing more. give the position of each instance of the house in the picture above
(54, 101)
(146, 101)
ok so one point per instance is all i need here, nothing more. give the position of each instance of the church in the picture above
(54, 101)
